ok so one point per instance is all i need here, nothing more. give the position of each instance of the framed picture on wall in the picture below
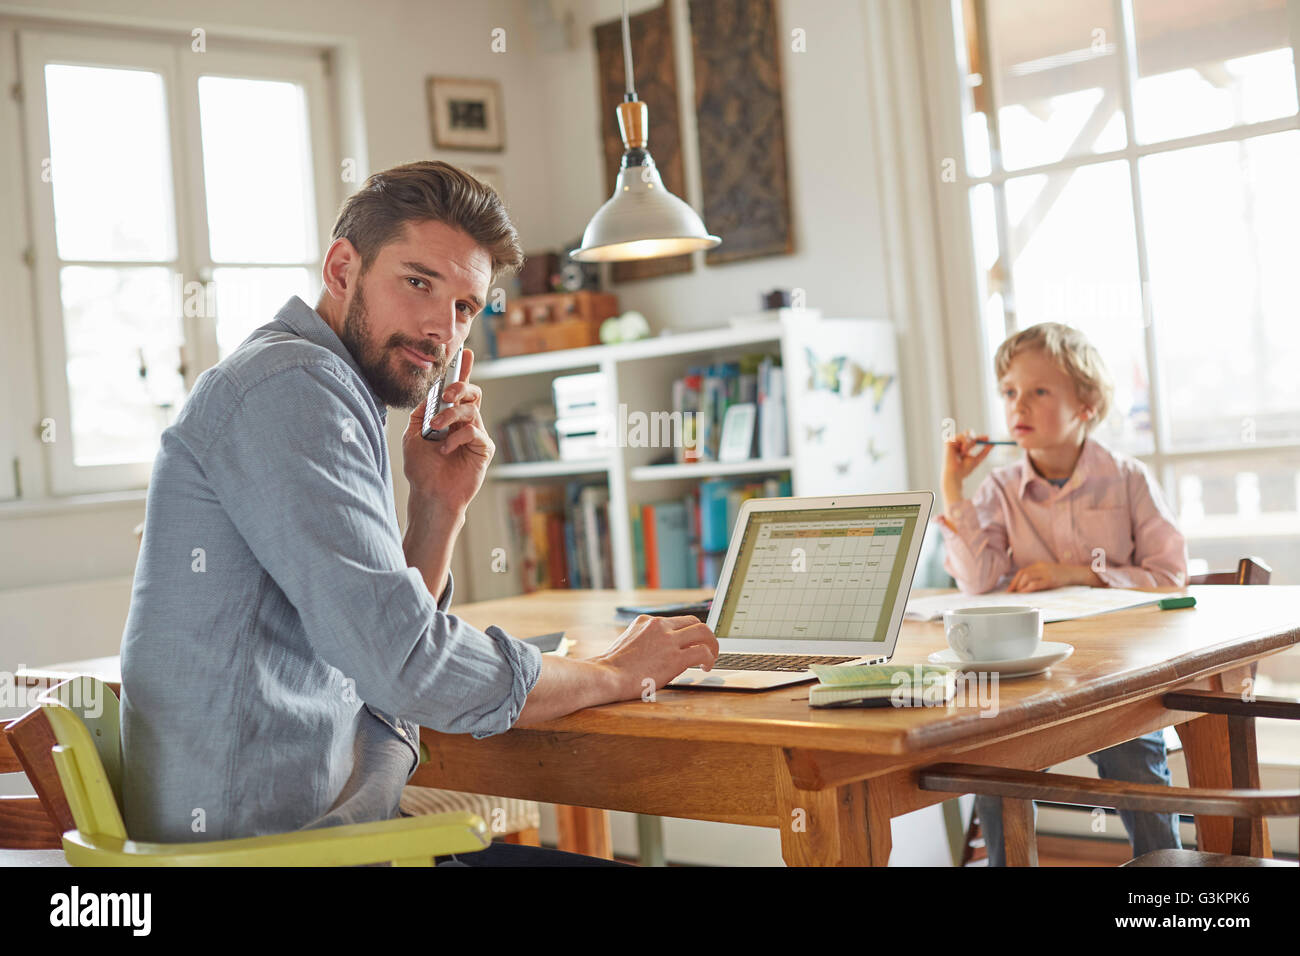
(465, 113)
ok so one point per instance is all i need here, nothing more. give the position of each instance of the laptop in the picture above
(812, 581)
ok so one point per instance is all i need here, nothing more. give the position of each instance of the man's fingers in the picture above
(696, 634)
(680, 621)
(464, 436)
(701, 656)
(417, 415)
(466, 363)
(463, 393)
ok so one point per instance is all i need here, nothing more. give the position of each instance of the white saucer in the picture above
(1049, 653)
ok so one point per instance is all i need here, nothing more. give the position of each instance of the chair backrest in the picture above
(24, 824)
(1250, 570)
(83, 712)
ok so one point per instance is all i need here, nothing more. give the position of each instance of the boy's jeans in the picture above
(1141, 760)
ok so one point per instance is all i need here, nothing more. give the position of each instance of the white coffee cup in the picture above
(993, 633)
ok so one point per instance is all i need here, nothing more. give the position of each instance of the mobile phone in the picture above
(434, 404)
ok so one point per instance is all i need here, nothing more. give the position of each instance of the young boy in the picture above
(1070, 512)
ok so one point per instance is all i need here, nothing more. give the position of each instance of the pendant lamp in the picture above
(642, 220)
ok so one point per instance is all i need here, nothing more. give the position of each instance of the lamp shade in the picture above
(642, 220)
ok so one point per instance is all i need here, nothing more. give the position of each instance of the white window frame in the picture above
(180, 67)
(309, 73)
(944, 63)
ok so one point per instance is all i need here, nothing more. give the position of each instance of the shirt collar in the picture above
(303, 320)
(1094, 461)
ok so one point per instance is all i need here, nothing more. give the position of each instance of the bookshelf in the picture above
(639, 375)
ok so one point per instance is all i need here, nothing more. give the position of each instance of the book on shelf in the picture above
(560, 536)
(682, 542)
(529, 436)
(702, 396)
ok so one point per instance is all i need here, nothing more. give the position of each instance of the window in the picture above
(1130, 170)
(177, 201)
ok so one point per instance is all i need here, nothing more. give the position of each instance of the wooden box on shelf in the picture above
(560, 320)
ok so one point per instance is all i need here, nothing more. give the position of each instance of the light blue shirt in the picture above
(279, 654)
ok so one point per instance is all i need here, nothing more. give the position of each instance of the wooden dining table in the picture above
(831, 780)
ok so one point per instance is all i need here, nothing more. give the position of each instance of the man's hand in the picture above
(1042, 575)
(453, 469)
(658, 649)
(652, 651)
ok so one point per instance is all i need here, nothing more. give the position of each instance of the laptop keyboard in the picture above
(775, 662)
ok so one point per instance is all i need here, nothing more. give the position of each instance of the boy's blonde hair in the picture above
(1073, 352)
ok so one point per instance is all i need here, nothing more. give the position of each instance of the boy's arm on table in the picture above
(1159, 548)
(975, 539)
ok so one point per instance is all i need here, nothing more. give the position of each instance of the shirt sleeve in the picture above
(976, 549)
(1159, 548)
(297, 467)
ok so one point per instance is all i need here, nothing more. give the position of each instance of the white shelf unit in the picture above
(639, 375)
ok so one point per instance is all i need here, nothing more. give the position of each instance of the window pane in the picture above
(1210, 65)
(1228, 508)
(110, 163)
(123, 337)
(1221, 230)
(249, 298)
(257, 170)
(1054, 70)
(1075, 261)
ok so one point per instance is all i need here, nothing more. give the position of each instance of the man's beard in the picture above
(403, 386)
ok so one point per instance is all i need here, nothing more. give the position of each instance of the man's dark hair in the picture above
(378, 212)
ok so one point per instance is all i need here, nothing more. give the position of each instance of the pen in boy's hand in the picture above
(985, 441)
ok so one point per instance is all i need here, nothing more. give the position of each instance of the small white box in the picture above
(580, 395)
(584, 437)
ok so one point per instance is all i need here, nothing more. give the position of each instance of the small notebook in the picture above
(882, 685)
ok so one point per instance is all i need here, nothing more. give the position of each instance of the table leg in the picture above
(1220, 754)
(846, 825)
(650, 840)
(1018, 832)
(584, 830)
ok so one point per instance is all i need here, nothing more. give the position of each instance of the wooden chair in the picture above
(28, 835)
(88, 760)
(43, 819)
(1250, 570)
(1019, 788)
(1244, 803)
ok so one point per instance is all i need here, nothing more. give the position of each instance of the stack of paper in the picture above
(1058, 604)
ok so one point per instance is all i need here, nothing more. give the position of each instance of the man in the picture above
(285, 642)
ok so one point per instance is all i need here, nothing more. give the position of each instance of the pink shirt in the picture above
(1110, 503)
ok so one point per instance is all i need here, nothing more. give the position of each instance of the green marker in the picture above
(1173, 604)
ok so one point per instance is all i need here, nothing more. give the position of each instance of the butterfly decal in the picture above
(814, 434)
(861, 379)
(828, 375)
(824, 375)
(871, 450)
(842, 467)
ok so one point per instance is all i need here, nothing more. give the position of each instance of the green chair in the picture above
(88, 759)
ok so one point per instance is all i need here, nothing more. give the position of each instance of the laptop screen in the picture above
(825, 574)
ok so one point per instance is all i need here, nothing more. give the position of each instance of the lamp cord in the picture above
(627, 58)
